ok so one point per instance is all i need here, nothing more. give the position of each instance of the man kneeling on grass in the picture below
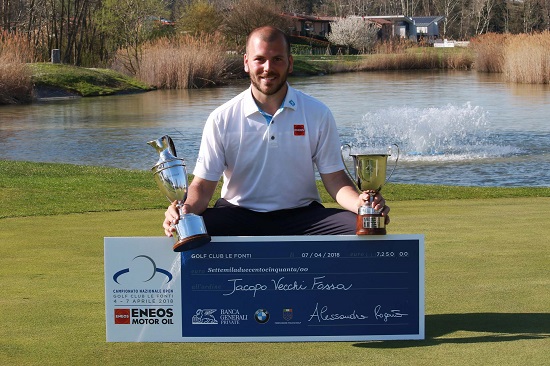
(266, 142)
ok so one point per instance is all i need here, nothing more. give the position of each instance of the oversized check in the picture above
(265, 289)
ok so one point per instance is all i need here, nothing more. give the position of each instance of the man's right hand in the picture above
(172, 217)
(198, 196)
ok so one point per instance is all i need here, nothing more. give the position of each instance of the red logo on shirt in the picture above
(299, 130)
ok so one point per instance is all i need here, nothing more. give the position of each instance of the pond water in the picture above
(455, 128)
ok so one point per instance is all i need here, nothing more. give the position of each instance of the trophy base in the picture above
(370, 231)
(191, 242)
(370, 224)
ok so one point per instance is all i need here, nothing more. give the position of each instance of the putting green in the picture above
(487, 292)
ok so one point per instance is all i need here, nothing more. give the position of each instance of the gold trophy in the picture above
(171, 177)
(370, 176)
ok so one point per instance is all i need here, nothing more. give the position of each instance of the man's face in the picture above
(268, 64)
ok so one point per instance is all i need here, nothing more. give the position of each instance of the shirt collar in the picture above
(250, 106)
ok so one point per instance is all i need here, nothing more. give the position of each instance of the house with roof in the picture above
(417, 29)
(427, 28)
(309, 25)
(413, 28)
(394, 26)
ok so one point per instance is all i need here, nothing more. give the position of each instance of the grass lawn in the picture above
(487, 276)
(86, 82)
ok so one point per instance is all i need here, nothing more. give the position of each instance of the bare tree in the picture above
(409, 7)
(448, 8)
(533, 16)
(482, 11)
(246, 15)
(293, 6)
(130, 23)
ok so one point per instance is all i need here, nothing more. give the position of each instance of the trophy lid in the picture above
(369, 150)
(165, 147)
(370, 153)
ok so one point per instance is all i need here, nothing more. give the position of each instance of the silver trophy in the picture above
(370, 176)
(171, 177)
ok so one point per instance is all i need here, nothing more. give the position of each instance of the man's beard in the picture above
(273, 89)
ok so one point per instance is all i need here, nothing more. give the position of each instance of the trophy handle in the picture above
(344, 161)
(395, 165)
(171, 145)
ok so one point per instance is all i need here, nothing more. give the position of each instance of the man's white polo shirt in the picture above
(269, 167)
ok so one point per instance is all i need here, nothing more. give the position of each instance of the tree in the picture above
(353, 32)
(247, 15)
(532, 16)
(448, 8)
(482, 11)
(499, 21)
(200, 17)
(129, 24)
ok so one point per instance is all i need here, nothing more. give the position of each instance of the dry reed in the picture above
(183, 62)
(528, 59)
(15, 76)
(419, 59)
(399, 61)
(522, 58)
(393, 46)
(489, 51)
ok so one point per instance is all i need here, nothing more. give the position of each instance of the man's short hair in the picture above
(269, 34)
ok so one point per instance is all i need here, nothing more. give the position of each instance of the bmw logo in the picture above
(261, 316)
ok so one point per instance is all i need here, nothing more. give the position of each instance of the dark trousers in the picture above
(226, 219)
